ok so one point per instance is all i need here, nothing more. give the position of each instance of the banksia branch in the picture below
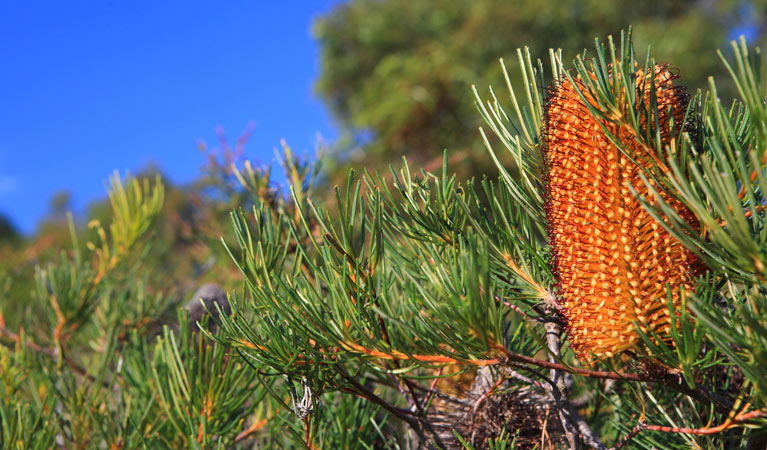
(612, 260)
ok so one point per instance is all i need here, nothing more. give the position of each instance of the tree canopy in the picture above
(397, 74)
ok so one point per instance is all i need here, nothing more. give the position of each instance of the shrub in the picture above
(419, 311)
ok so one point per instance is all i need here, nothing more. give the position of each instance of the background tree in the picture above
(8, 232)
(396, 74)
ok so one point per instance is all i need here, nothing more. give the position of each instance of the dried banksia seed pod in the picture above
(489, 408)
(611, 258)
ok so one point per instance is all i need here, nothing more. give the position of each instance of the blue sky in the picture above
(90, 87)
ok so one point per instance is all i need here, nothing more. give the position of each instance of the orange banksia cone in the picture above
(611, 258)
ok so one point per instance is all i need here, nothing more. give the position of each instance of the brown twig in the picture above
(730, 422)
(726, 425)
(625, 440)
(519, 310)
(360, 390)
(307, 433)
(433, 386)
(49, 352)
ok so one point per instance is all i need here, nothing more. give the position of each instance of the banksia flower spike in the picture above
(612, 260)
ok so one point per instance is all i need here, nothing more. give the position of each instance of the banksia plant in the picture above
(420, 312)
(612, 260)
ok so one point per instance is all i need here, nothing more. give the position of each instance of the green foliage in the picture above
(414, 310)
(21, 425)
(723, 184)
(396, 73)
(204, 398)
(427, 274)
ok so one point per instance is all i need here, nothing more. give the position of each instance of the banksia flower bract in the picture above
(612, 260)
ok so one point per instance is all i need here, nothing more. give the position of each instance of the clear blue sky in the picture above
(89, 87)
